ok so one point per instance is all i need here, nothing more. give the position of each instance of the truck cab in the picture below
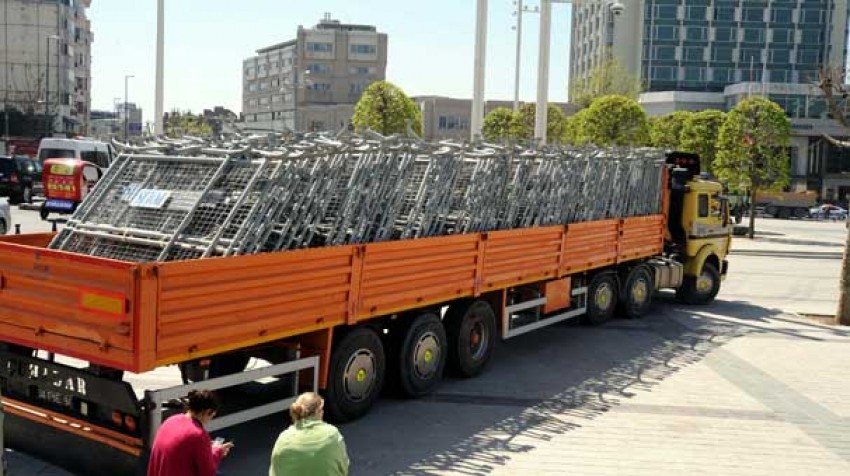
(699, 229)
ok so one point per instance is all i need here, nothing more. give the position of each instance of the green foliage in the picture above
(499, 125)
(574, 131)
(752, 148)
(384, 108)
(700, 133)
(608, 78)
(666, 131)
(179, 124)
(613, 121)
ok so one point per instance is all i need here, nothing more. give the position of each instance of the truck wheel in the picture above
(702, 289)
(355, 375)
(422, 357)
(636, 297)
(601, 298)
(772, 211)
(801, 213)
(471, 332)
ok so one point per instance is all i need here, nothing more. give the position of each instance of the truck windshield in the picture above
(55, 154)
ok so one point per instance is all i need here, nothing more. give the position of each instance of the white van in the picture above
(96, 152)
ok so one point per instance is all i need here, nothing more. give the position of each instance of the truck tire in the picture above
(801, 212)
(772, 211)
(636, 295)
(355, 375)
(601, 298)
(784, 213)
(422, 357)
(471, 332)
(701, 290)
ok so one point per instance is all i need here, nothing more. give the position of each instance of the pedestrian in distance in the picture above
(309, 446)
(182, 446)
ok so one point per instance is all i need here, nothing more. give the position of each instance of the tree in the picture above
(608, 78)
(499, 125)
(186, 124)
(574, 130)
(752, 149)
(556, 122)
(666, 131)
(385, 109)
(614, 120)
(699, 135)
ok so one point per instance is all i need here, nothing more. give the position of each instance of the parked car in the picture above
(827, 211)
(5, 216)
(20, 178)
(99, 153)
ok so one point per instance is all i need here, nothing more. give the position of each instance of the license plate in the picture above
(56, 204)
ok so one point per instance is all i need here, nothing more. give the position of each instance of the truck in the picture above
(344, 320)
(787, 204)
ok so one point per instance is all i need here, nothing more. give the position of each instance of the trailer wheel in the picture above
(601, 298)
(422, 357)
(471, 332)
(702, 289)
(636, 297)
(355, 375)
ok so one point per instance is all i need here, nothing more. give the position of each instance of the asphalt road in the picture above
(792, 267)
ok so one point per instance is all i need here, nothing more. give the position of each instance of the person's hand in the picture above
(225, 447)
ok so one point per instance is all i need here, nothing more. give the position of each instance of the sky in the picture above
(431, 45)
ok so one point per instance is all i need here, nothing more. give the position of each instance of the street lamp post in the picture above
(47, 85)
(520, 10)
(126, 113)
(160, 61)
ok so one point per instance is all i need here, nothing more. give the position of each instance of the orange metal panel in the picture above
(38, 240)
(641, 237)
(590, 245)
(516, 257)
(40, 304)
(557, 294)
(425, 271)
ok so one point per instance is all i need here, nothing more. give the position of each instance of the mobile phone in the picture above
(218, 441)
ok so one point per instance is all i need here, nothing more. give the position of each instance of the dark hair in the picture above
(200, 401)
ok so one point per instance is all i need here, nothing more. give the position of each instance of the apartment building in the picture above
(313, 81)
(45, 64)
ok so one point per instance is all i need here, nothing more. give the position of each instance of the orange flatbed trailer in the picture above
(140, 316)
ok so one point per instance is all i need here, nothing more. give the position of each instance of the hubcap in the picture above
(359, 377)
(603, 297)
(640, 291)
(704, 283)
(478, 340)
(426, 356)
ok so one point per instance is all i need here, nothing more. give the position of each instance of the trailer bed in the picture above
(139, 316)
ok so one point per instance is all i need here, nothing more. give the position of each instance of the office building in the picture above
(313, 81)
(705, 45)
(45, 63)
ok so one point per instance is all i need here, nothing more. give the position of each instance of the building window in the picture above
(780, 76)
(811, 57)
(319, 68)
(812, 17)
(722, 54)
(265, 101)
(452, 123)
(782, 56)
(252, 87)
(724, 34)
(277, 98)
(695, 13)
(314, 47)
(724, 13)
(693, 74)
(664, 73)
(317, 126)
(357, 88)
(750, 55)
(664, 53)
(323, 87)
(781, 15)
(362, 49)
(754, 35)
(264, 85)
(250, 71)
(753, 14)
(697, 33)
(810, 37)
(694, 53)
(361, 70)
(783, 36)
(665, 12)
(666, 32)
(723, 75)
(252, 102)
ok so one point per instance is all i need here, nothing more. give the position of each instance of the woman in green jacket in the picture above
(309, 446)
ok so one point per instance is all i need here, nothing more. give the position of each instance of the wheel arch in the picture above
(707, 254)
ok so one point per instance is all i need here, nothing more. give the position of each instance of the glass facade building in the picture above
(705, 45)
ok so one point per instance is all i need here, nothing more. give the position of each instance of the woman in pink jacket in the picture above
(182, 446)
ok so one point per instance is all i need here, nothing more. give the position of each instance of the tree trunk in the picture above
(842, 317)
(752, 231)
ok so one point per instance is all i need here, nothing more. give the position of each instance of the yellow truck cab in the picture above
(699, 229)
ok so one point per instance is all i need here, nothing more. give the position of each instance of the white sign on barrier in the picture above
(150, 198)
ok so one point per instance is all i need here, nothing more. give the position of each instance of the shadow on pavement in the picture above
(540, 385)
